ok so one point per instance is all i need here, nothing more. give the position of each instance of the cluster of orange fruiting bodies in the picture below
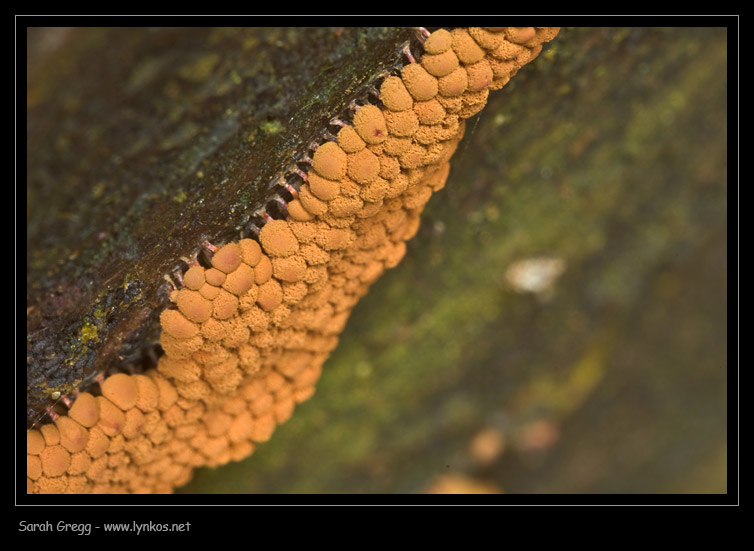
(246, 338)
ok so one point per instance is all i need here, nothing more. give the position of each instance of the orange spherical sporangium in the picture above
(520, 35)
(453, 84)
(429, 112)
(363, 166)
(394, 95)
(73, 436)
(330, 161)
(111, 419)
(485, 38)
(194, 278)
(263, 270)
(479, 76)
(277, 238)
(239, 280)
(311, 203)
(467, 50)
(349, 140)
(177, 324)
(402, 123)
(441, 64)
(420, 84)
(121, 390)
(85, 410)
(438, 42)
(369, 123)
(227, 258)
(251, 252)
(297, 211)
(35, 442)
(215, 277)
(55, 460)
(50, 434)
(323, 188)
(193, 305)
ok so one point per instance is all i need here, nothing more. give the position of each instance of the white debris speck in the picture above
(534, 275)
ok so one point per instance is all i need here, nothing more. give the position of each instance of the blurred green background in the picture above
(559, 322)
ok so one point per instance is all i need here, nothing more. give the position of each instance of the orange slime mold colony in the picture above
(245, 340)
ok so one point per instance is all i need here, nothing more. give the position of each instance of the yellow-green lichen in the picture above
(88, 332)
(272, 127)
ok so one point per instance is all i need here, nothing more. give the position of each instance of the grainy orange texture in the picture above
(246, 339)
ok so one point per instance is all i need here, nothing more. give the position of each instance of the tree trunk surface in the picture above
(557, 325)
